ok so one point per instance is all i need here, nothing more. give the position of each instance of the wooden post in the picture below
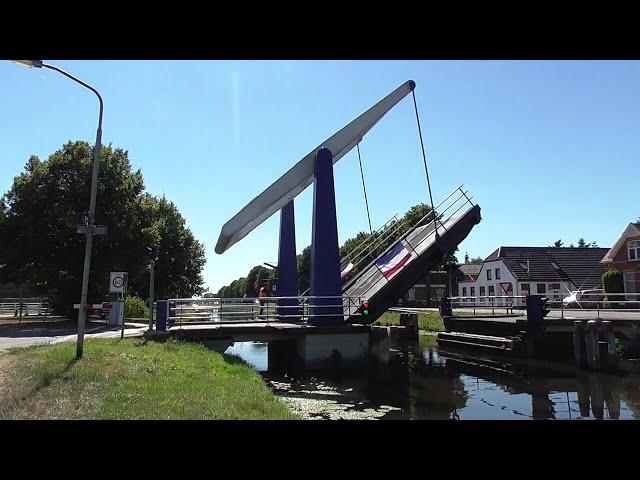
(578, 343)
(593, 347)
(610, 338)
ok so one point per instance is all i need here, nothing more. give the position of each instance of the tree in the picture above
(476, 261)
(583, 244)
(557, 244)
(46, 203)
(613, 281)
(304, 269)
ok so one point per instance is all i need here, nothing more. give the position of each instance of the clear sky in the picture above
(549, 150)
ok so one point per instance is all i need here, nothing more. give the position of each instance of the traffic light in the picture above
(365, 309)
(545, 307)
(537, 309)
(152, 254)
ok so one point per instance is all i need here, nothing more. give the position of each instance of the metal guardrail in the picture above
(302, 309)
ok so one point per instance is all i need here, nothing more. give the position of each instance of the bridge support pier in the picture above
(287, 266)
(325, 257)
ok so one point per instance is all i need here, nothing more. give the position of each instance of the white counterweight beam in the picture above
(300, 176)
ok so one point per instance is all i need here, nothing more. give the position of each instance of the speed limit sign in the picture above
(118, 282)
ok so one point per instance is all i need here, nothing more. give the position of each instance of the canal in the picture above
(455, 385)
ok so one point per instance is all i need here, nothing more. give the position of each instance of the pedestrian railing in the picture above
(495, 304)
(599, 303)
(17, 307)
(596, 303)
(301, 309)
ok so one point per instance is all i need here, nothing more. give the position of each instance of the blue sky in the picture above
(549, 150)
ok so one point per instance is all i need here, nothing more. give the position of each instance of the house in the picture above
(625, 256)
(435, 285)
(549, 271)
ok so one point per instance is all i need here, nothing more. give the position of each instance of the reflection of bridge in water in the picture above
(555, 390)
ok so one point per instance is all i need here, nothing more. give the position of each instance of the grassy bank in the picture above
(429, 321)
(132, 379)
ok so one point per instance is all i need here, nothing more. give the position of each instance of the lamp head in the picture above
(28, 63)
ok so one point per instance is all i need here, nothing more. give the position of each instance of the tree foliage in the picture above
(41, 212)
(476, 261)
(613, 281)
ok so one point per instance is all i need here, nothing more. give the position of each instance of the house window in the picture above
(497, 274)
(630, 285)
(489, 274)
(473, 291)
(464, 291)
(554, 286)
(541, 288)
(482, 294)
(492, 290)
(525, 289)
(633, 248)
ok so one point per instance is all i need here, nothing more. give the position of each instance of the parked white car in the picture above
(589, 297)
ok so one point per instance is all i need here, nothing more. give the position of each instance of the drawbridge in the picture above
(380, 270)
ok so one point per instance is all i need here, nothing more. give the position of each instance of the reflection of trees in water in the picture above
(434, 393)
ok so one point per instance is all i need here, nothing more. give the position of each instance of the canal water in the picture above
(457, 385)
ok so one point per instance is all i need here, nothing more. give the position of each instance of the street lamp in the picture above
(89, 229)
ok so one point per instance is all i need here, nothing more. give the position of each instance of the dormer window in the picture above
(633, 249)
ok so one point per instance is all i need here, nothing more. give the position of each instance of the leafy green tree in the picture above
(47, 202)
(613, 281)
(304, 270)
(557, 244)
(476, 261)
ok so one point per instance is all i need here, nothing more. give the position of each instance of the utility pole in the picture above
(152, 254)
(152, 266)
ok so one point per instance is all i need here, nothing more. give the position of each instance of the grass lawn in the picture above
(429, 321)
(132, 379)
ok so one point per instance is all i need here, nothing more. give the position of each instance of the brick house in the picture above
(625, 256)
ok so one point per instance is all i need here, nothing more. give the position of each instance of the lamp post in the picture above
(89, 229)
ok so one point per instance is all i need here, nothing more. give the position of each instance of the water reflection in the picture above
(448, 384)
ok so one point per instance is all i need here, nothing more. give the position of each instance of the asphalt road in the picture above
(21, 336)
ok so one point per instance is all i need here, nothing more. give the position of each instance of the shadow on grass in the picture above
(44, 382)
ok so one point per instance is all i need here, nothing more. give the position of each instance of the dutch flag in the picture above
(394, 261)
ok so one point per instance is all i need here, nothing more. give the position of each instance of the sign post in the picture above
(118, 282)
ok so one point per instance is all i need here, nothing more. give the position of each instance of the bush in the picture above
(613, 283)
(135, 308)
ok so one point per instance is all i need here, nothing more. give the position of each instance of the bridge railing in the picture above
(417, 239)
(301, 309)
(594, 301)
(489, 303)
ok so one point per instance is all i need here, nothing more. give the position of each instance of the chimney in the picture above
(466, 257)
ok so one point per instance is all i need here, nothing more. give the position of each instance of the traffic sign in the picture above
(118, 282)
